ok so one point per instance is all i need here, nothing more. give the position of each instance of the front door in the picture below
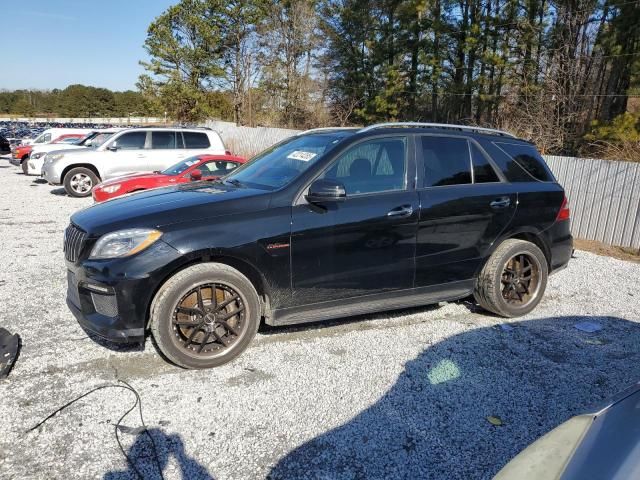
(464, 208)
(128, 156)
(365, 244)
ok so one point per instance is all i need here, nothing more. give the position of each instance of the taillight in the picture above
(565, 212)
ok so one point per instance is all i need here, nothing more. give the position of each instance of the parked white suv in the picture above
(128, 151)
(39, 153)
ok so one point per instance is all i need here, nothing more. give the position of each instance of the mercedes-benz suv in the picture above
(329, 223)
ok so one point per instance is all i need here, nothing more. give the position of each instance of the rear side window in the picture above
(446, 161)
(131, 140)
(195, 140)
(163, 140)
(483, 172)
(528, 158)
(217, 168)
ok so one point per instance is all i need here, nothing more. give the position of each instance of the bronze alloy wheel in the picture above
(521, 279)
(208, 320)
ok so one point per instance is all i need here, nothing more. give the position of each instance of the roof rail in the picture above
(438, 125)
(325, 129)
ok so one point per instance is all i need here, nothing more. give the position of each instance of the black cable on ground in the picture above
(138, 403)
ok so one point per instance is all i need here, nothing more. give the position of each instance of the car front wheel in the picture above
(78, 182)
(513, 280)
(205, 316)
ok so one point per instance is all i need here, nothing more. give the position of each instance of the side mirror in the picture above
(113, 147)
(321, 191)
(196, 175)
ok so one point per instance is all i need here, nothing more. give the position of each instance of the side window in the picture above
(528, 158)
(163, 140)
(195, 140)
(446, 161)
(217, 168)
(483, 172)
(378, 165)
(131, 140)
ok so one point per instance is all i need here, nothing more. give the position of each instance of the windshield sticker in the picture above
(191, 162)
(300, 155)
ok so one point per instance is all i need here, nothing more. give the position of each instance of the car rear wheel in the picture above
(205, 316)
(513, 280)
(78, 182)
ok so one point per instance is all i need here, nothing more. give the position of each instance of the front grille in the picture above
(105, 304)
(73, 242)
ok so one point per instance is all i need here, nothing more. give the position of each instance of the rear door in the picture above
(465, 205)
(166, 149)
(365, 244)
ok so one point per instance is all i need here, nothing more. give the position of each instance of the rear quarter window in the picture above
(527, 158)
(196, 140)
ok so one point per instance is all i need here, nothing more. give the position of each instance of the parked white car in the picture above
(50, 134)
(93, 140)
(128, 151)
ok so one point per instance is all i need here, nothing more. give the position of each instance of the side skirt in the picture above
(379, 302)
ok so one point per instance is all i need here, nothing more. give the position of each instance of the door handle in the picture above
(403, 211)
(140, 155)
(503, 202)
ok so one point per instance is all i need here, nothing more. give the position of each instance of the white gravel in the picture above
(400, 395)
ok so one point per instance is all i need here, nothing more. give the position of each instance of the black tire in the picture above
(25, 166)
(498, 283)
(79, 181)
(174, 342)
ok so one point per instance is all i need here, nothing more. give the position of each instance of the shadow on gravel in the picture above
(148, 459)
(432, 423)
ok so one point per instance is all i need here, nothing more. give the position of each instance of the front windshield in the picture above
(279, 165)
(181, 166)
(95, 139)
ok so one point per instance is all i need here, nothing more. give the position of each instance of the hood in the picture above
(50, 147)
(134, 176)
(170, 205)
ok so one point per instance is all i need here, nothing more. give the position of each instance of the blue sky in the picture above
(54, 43)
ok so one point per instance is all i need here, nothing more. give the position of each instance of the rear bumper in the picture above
(561, 245)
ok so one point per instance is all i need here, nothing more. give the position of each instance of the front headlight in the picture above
(111, 188)
(55, 156)
(124, 243)
(35, 156)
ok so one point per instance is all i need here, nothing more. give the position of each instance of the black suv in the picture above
(329, 223)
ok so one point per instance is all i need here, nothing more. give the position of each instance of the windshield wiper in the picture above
(234, 182)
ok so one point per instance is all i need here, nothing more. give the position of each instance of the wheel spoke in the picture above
(192, 336)
(199, 297)
(222, 305)
(218, 337)
(189, 311)
(230, 315)
(226, 325)
(188, 324)
(204, 341)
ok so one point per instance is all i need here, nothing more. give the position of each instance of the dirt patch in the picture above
(599, 248)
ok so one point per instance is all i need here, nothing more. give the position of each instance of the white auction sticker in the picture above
(300, 155)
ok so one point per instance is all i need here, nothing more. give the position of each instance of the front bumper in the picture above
(50, 173)
(34, 166)
(15, 161)
(111, 298)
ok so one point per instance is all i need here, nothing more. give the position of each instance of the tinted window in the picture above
(446, 161)
(528, 158)
(131, 140)
(375, 166)
(217, 168)
(483, 172)
(163, 140)
(196, 140)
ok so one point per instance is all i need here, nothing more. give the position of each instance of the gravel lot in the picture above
(398, 395)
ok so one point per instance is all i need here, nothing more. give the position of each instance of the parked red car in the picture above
(21, 152)
(205, 167)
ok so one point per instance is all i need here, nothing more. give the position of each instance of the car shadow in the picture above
(148, 459)
(433, 422)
